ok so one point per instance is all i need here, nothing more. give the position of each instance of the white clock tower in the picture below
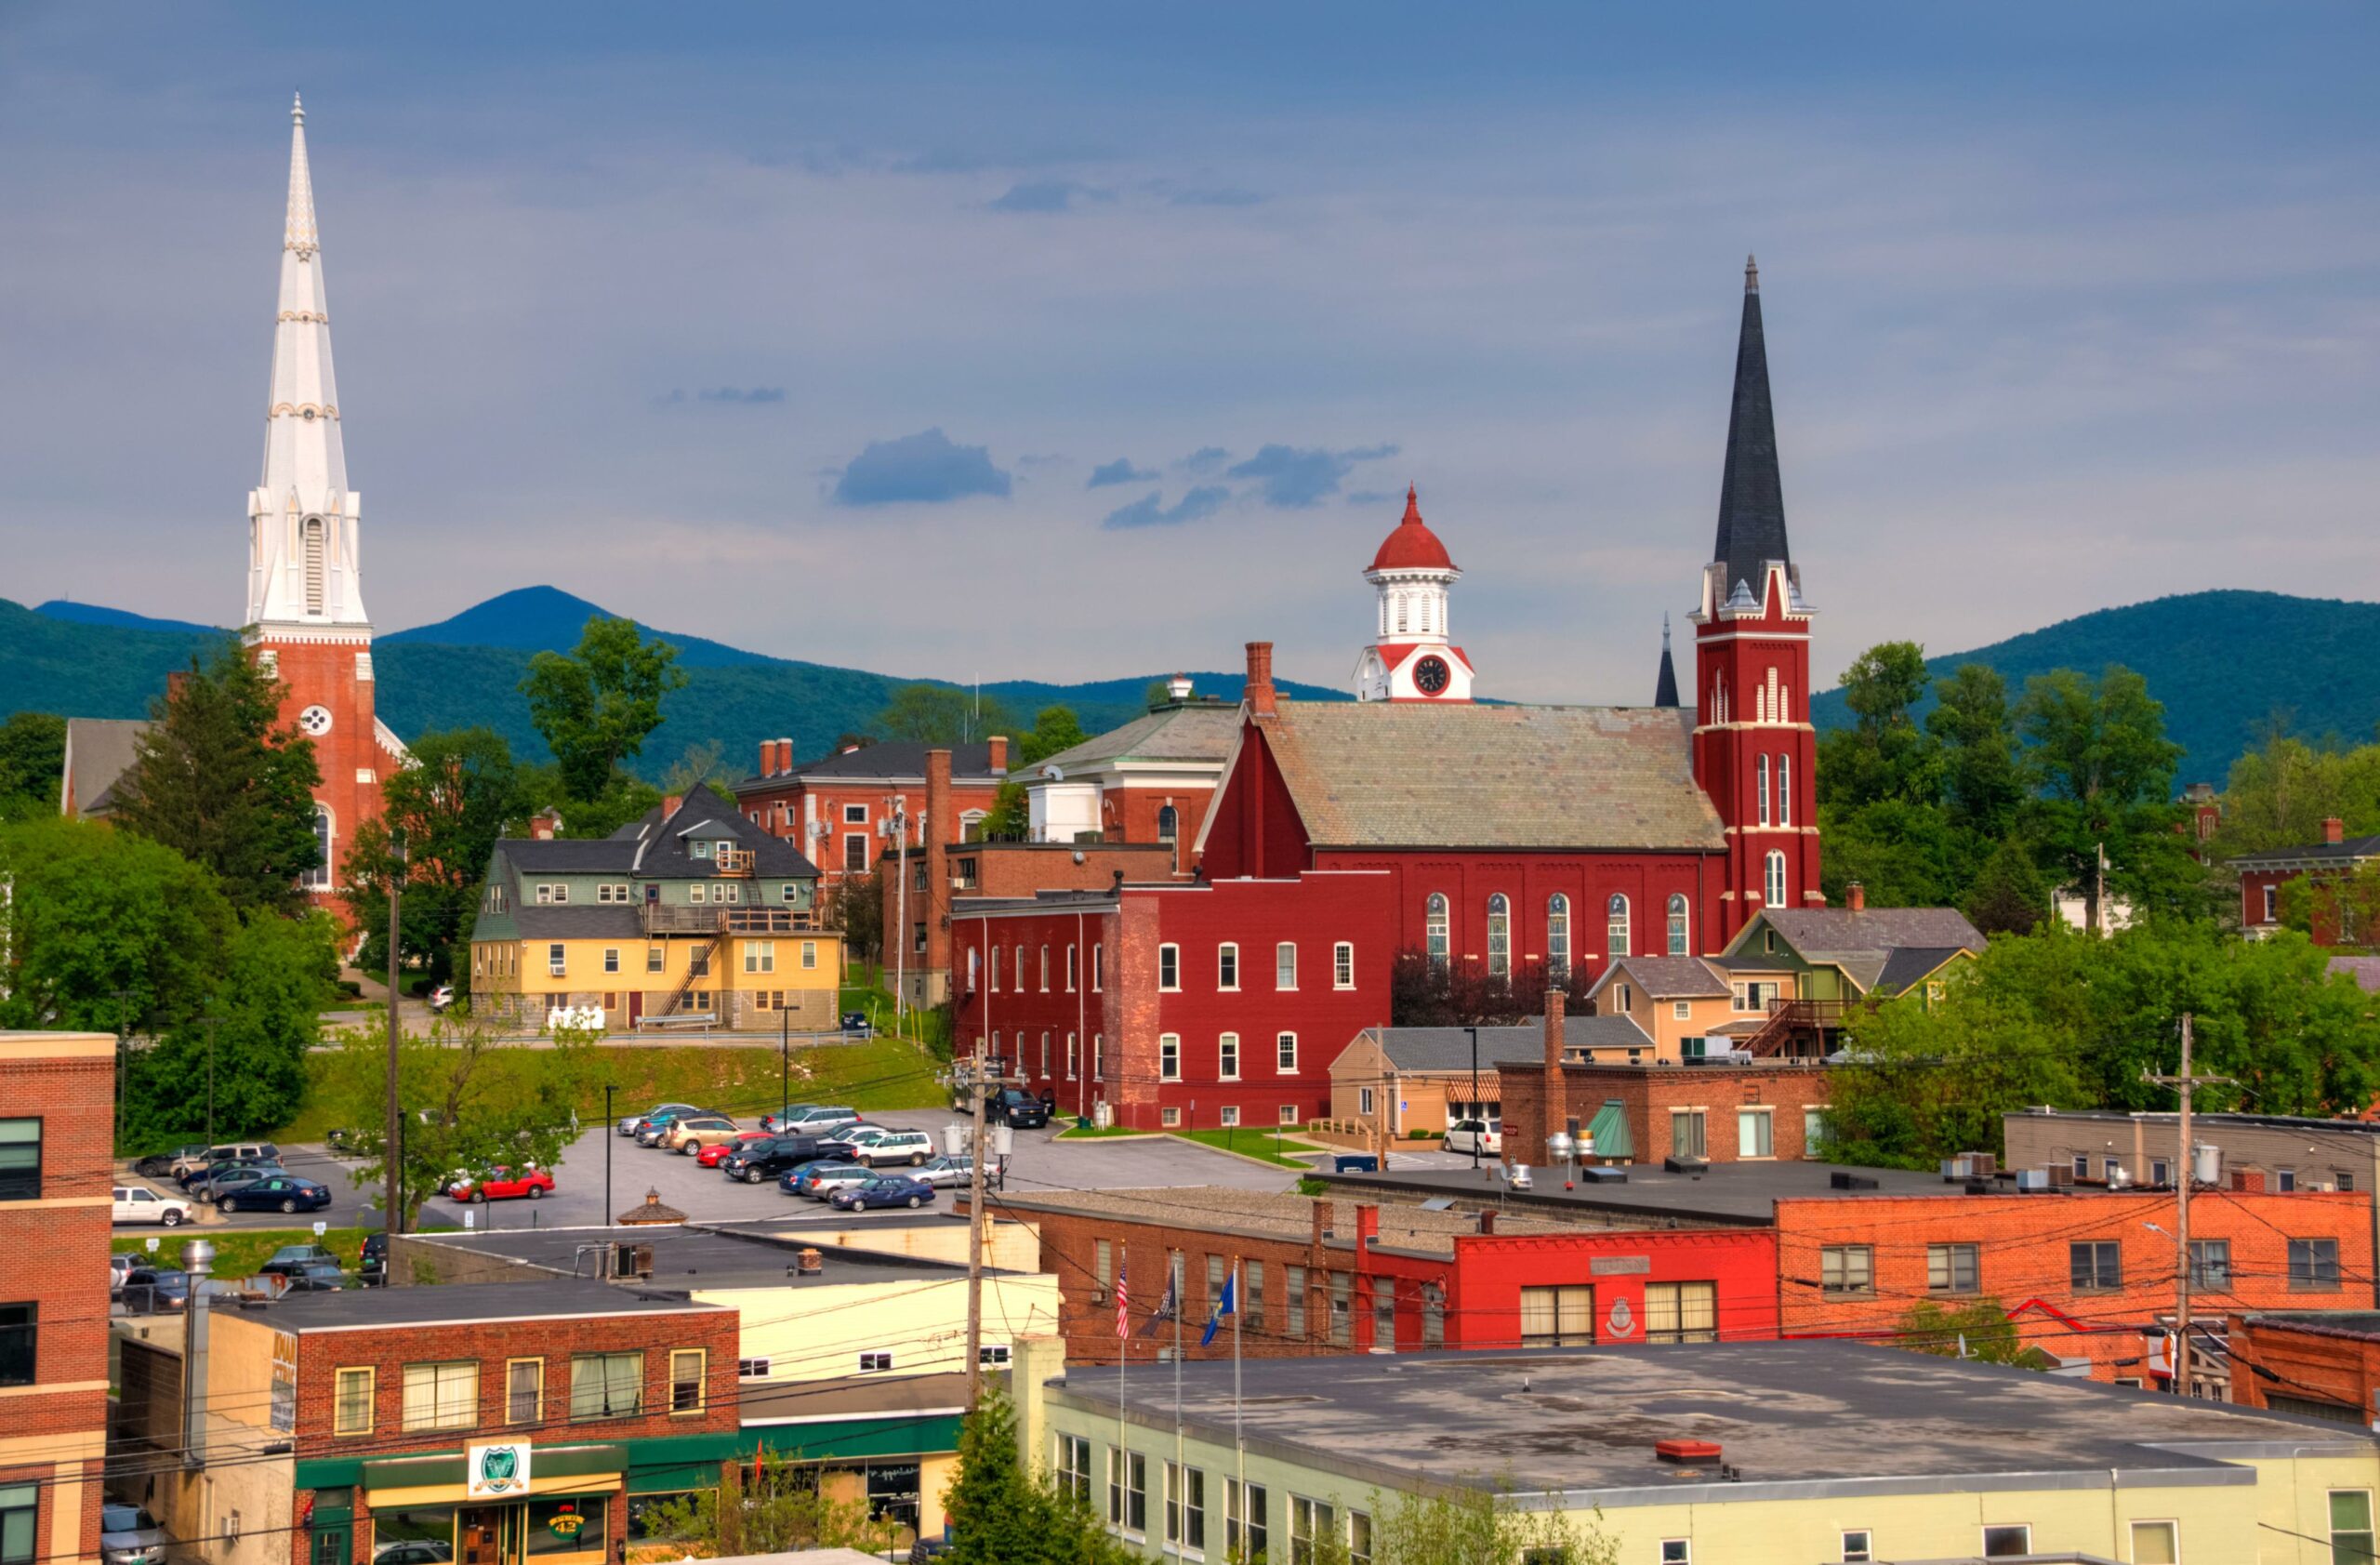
(1413, 659)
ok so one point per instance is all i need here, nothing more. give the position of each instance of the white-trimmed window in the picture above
(1045, 970)
(443, 1396)
(1434, 923)
(1169, 1117)
(995, 969)
(1070, 967)
(1557, 936)
(1500, 935)
(1071, 1045)
(1227, 1056)
(760, 956)
(1168, 1057)
(1227, 966)
(557, 959)
(1229, 1115)
(854, 815)
(1760, 785)
(1288, 1113)
(1285, 1054)
(975, 963)
(1754, 1132)
(1776, 887)
(1168, 967)
(1285, 965)
(1784, 790)
(1098, 966)
(1679, 929)
(1858, 1546)
(1615, 927)
(2016, 1538)
(611, 958)
(1343, 965)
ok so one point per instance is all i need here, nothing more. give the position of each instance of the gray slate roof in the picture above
(894, 761)
(2353, 850)
(1600, 1031)
(1448, 1048)
(655, 848)
(1668, 978)
(1198, 733)
(1910, 963)
(2365, 971)
(1398, 774)
(98, 752)
(578, 923)
(1875, 947)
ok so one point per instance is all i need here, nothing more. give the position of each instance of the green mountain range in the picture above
(86, 661)
(2225, 664)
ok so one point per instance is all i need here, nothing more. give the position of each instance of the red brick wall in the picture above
(56, 1251)
(1649, 1093)
(2251, 894)
(323, 673)
(2024, 1261)
(1742, 652)
(2306, 1363)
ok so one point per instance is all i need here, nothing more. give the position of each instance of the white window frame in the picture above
(1617, 937)
(1227, 1056)
(1285, 963)
(1766, 1117)
(1168, 1057)
(1227, 966)
(1229, 1115)
(1437, 928)
(1500, 935)
(1774, 887)
(1169, 968)
(854, 815)
(1557, 934)
(1984, 1533)
(1285, 1053)
(1343, 965)
(1681, 924)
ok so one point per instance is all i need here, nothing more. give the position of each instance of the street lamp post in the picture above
(1478, 1134)
(392, 1196)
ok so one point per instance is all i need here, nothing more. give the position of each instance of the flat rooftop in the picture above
(2294, 1122)
(1264, 1214)
(462, 1304)
(1725, 1194)
(687, 1256)
(1794, 1419)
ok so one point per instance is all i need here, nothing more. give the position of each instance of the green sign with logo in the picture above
(495, 1472)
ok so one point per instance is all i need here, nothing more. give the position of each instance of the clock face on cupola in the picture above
(1413, 659)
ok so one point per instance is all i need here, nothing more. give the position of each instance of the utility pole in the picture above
(610, 1134)
(975, 1081)
(392, 1173)
(2184, 1082)
(1480, 1135)
(898, 939)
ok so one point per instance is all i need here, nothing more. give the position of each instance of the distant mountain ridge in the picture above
(2223, 663)
(86, 661)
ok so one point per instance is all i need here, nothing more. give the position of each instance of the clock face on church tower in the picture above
(1431, 676)
(315, 721)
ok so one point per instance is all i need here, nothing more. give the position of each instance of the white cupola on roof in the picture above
(1415, 657)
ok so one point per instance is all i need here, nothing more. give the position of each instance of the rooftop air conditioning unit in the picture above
(2061, 1177)
(1841, 1181)
(1983, 1165)
(2032, 1181)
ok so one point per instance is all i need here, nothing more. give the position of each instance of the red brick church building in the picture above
(1515, 839)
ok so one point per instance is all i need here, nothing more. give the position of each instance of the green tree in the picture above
(451, 805)
(1054, 729)
(598, 705)
(32, 762)
(2342, 909)
(628, 798)
(1977, 1328)
(221, 781)
(941, 714)
(1467, 1524)
(1002, 1513)
(699, 763)
(93, 914)
(1982, 782)
(462, 1109)
(861, 899)
(2103, 775)
(239, 1066)
(776, 1508)
(2008, 896)
(1011, 817)
(2279, 795)
(1884, 754)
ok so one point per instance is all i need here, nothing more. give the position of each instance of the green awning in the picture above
(1610, 1131)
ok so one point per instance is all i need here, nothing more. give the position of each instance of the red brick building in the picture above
(2262, 875)
(2323, 1365)
(2087, 1277)
(484, 1422)
(57, 1101)
(1715, 1110)
(1548, 839)
(1321, 1276)
(1188, 1004)
(839, 809)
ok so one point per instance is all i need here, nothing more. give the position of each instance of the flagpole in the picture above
(1176, 1474)
(1238, 1441)
(1123, 1351)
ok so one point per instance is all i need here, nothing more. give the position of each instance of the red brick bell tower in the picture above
(1755, 753)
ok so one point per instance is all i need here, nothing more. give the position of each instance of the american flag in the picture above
(1123, 1310)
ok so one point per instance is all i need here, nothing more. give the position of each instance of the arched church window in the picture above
(1166, 822)
(1433, 924)
(319, 877)
(1401, 610)
(1784, 790)
(1616, 926)
(314, 564)
(1499, 937)
(1677, 923)
(1759, 780)
(1776, 887)
(1557, 936)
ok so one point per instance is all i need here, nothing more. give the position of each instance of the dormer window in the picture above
(700, 848)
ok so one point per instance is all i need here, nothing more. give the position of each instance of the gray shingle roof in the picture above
(1603, 1033)
(2352, 850)
(1670, 977)
(655, 848)
(578, 923)
(1198, 733)
(1910, 963)
(1395, 774)
(1823, 933)
(894, 761)
(98, 752)
(563, 855)
(1448, 1048)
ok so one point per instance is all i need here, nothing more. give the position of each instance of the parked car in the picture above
(149, 1291)
(209, 1183)
(139, 1203)
(159, 1165)
(753, 1162)
(656, 1124)
(501, 1183)
(1484, 1136)
(716, 1152)
(121, 1265)
(693, 1132)
(636, 1122)
(185, 1169)
(856, 1024)
(372, 1260)
(943, 1170)
(292, 1257)
(820, 1180)
(809, 1119)
(278, 1192)
(1015, 1107)
(413, 1551)
(881, 1193)
(913, 1147)
(314, 1277)
(442, 998)
(129, 1535)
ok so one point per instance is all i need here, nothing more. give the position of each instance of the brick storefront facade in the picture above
(57, 1101)
(2324, 1366)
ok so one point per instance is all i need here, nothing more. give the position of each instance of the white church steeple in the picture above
(303, 561)
(1414, 657)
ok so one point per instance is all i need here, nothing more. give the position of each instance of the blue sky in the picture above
(1073, 341)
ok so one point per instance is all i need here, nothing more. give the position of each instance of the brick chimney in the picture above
(669, 802)
(545, 823)
(1555, 1092)
(934, 830)
(1258, 694)
(175, 682)
(2334, 829)
(768, 758)
(785, 754)
(999, 752)
(1855, 896)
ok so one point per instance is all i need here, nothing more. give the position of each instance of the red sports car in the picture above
(502, 1184)
(716, 1152)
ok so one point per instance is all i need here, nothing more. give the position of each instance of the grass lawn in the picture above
(1092, 1133)
(876, 1074)
(238, 1251)
(1254, 1142)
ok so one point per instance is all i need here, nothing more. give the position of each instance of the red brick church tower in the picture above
(306, 623)
(1755, 753)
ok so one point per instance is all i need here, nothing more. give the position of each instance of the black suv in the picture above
(756, 1162)
(1017, 1108)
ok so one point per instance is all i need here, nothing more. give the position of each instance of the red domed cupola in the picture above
(1411, 546)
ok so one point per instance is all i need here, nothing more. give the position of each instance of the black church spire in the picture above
(1752, 501)
(1665, 683)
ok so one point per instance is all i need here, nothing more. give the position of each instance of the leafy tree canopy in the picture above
(238, 1068)
(106, 929)
(597, 705)
(219, 778)
(1003, 1513)
(1054, 729)
(461, 793)
(941, 714)
(32, 760)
